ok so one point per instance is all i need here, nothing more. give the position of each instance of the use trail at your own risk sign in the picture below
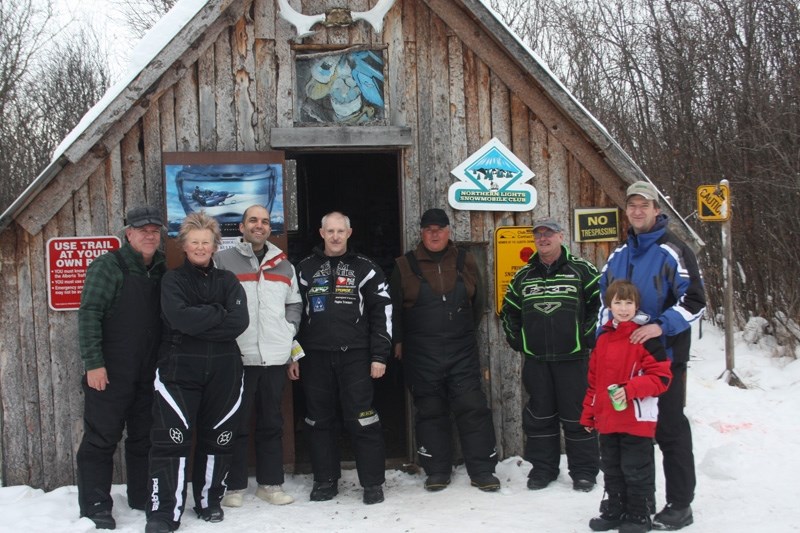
(492, 179)
(67, 260)
(713, 203)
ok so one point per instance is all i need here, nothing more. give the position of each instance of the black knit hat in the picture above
(434, 217)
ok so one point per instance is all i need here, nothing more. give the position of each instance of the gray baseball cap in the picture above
(644, 189)
(547, 222)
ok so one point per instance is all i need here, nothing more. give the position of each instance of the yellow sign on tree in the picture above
(713, 203)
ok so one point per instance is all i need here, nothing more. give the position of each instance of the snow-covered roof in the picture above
(145, 51)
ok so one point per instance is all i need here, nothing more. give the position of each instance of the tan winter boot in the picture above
(233, 498)
(273, 494)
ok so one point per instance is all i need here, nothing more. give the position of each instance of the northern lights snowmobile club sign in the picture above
(492, 179)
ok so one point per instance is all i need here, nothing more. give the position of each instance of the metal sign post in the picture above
(714, 205)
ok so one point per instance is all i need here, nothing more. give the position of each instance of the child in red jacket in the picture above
(641, 372)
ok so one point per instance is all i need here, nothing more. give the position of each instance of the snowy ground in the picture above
(746, 448)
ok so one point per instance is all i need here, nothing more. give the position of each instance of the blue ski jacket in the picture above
(665, 271)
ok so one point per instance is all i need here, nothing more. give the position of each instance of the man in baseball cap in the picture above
(119, 330)
(143, 215)
(673, 304)
(548, 315)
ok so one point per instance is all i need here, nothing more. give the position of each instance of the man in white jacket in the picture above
(275, 307)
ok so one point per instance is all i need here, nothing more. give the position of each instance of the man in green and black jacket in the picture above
(119, 331)
(549, 314)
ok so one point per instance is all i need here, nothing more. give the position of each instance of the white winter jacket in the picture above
(273, 301)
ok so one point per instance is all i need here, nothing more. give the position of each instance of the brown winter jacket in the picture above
(441, 275)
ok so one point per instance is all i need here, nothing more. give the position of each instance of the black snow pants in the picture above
(130, 345)
(556, 392)
(342, 378)
(674, 437)
(629, 471)
(263, 389)
(198, 390)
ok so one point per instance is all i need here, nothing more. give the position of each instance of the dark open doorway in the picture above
(365, 187)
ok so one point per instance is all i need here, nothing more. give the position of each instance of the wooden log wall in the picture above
(225, 94)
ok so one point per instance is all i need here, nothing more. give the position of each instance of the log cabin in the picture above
(436, 79)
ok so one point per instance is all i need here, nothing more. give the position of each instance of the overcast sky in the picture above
(105, 21)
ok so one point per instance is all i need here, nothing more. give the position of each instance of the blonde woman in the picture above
(198, 384)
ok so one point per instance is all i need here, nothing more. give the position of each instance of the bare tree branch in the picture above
(141, 15)
(696, 91)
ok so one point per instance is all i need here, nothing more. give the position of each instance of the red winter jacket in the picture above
(642, 369)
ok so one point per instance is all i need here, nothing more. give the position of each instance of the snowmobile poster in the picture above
(223, 184)
(492, 179)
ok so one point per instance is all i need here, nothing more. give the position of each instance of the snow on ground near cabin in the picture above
(746, 446)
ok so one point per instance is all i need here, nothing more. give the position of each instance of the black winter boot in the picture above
(637, 516)
(611, 513)
(632, 523)
(158, 526)
(485, 481)
(437, 482)
(103, 520)
(672, 518)
(324, 490)
(373, 494)
(212, 513)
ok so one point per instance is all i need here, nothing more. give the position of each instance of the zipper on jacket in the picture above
(441, 283)
(549, 346)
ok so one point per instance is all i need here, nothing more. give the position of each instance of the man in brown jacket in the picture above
(438, 299)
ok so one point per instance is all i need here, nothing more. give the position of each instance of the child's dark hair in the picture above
(622, 289)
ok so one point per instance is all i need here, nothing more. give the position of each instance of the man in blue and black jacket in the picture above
(665, 271)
